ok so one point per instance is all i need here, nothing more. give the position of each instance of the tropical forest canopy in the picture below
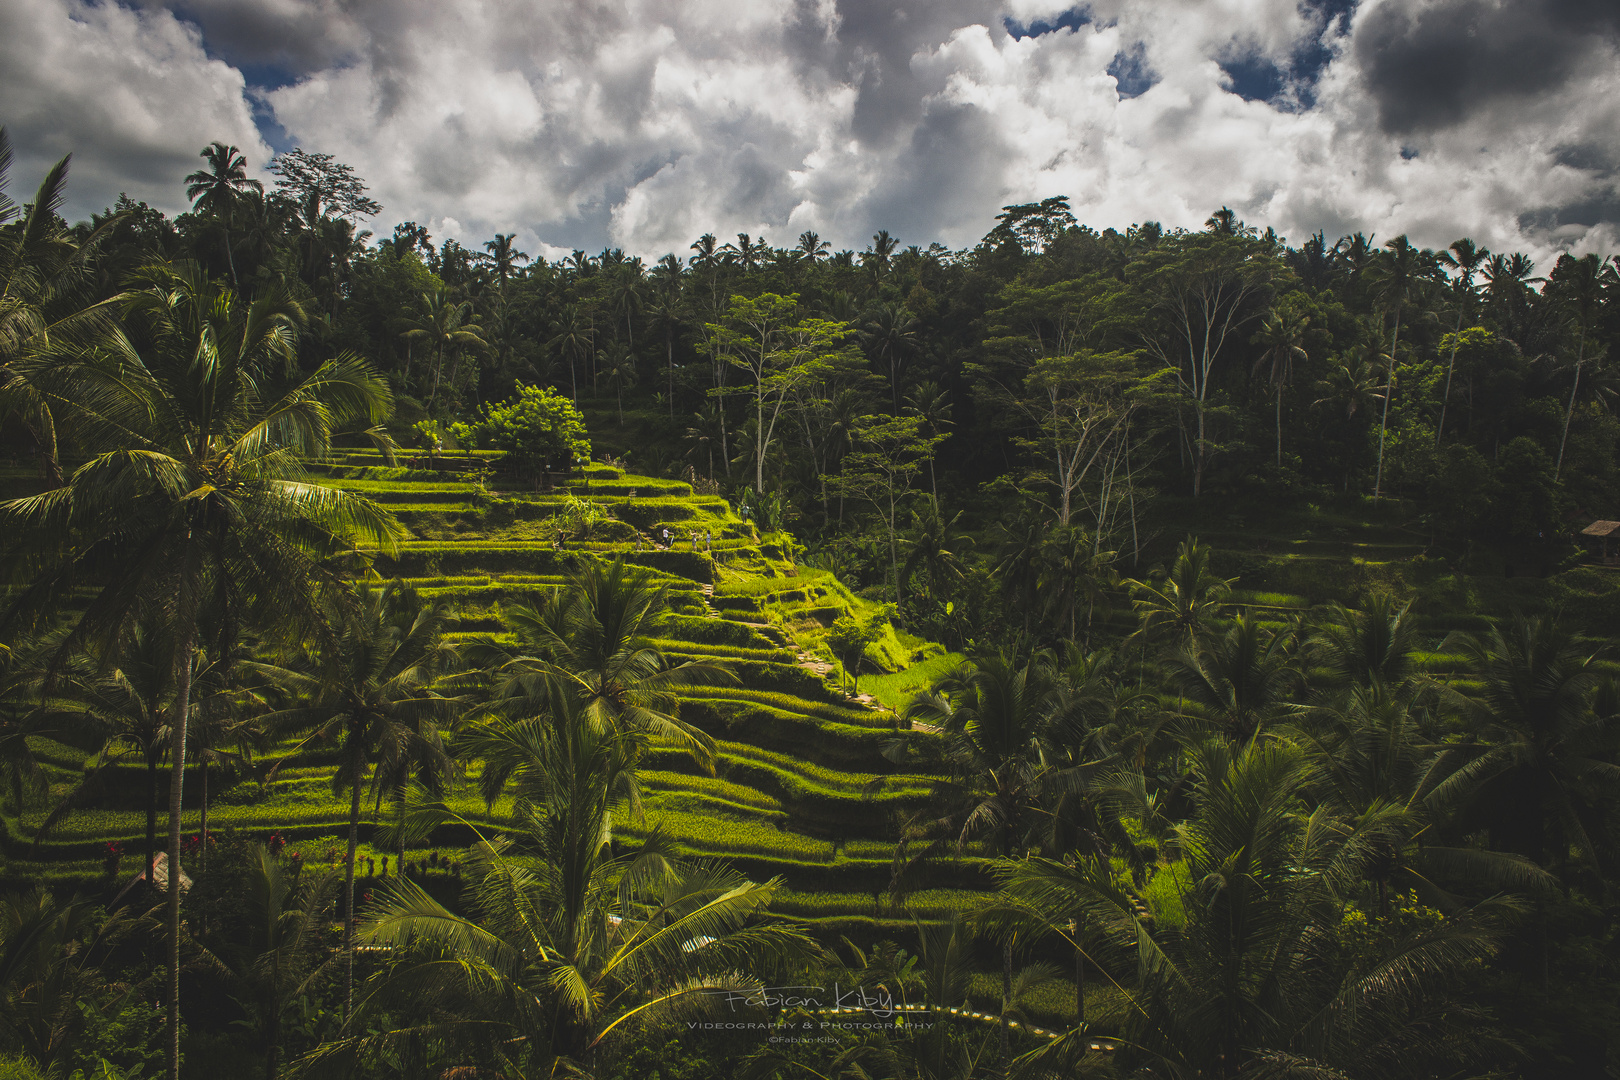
(1136, 652)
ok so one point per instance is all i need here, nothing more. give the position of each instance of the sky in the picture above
(641, 124)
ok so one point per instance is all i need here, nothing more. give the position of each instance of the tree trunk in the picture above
(1279, 427)
(1079, 980)
(177, 765)
(759, 443)
(348, 882)
(151, 817)
(669, 343)
(1569, 411)
(230, 260)
(1389, 392)
(202, 822)
(1451, 366)
(1006, 1004)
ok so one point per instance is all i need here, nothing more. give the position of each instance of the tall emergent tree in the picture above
(217, 188)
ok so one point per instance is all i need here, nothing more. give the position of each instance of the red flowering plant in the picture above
(275, 842)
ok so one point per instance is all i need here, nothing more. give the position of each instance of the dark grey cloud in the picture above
(951, 170)
(1431, 66)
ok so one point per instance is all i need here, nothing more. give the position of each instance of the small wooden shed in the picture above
(1602, 539)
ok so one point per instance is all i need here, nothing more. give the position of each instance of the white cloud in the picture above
(132, 95)
(641, 124)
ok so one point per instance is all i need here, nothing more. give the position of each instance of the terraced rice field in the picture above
(800, 787)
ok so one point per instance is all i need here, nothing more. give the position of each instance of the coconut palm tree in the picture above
(195, 495)
(574, 336)
(930, 546)
(49, 979)
(284, 955)
(1249, 984)
(619, 365)
(1397, 278)
(566, 947)
(502, 256)
(127, 701)
(594, 639)
(1579, 286)
(930, 402)
(1466, 260)
(370, 693)
(45, 310)
(1179, 605)
(996, 718)
(1542, 771)
(448, 326)
(668, 312)
(215, 190)
(1282, 337)
(1374, 646)
(890, 334)
(1240, 681)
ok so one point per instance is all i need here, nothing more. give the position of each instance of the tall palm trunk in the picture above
(1006, 1004)
(230, 260)
(1569, 411)
(202, 823)
(151, 816)
(356, 767)
(1451, 366)
(177, 760)
(1389, 392)
(272, 1051)
(1079, 978)
(1279, 426)
(669, 345)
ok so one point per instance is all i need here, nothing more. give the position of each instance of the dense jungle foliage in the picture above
(1146, 653)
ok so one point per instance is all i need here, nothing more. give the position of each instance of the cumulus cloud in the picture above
(132, 95)
(640, 124)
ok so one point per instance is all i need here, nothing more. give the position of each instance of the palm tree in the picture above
(1074, 571)
(669, 312)
(574, 335)
(1375, 646)
(626, 294)
(890, 332)
(1579, 285)
(1282, 336)
(1396, 278)
(1179, 605)
(1375, 756)
(1466, 259)
(503, 256)
(619, 365)
(930, 402)
(1240, 681)
(1249, 984)
(1542, 769)
(812, 246)
(996, 719)
(371, 694)
(131, 708)
(45, 314)
(929, 546)
(559, 948)
(880, 254)
(215, 190)
(447, 325)
(194, 496)
(49, 955)
(594, 638)
(285, 955)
